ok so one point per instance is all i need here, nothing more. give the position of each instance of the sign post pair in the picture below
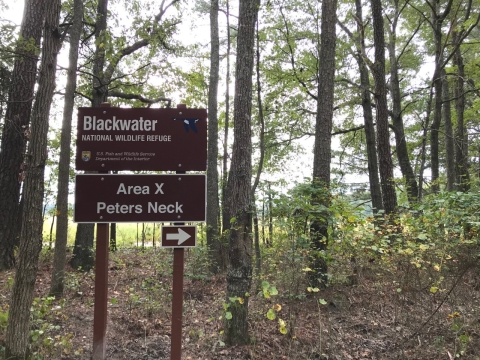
(114, 139)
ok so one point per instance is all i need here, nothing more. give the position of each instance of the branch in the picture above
(292, 59)
(138, 45)
(121, 95)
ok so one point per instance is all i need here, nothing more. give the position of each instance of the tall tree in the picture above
(59, 260)
(82, 252)
(383, 135)
(438, 18)
(225, 220)
(322, 153)
(15, 129)
(449, 138)
(365, 87)
(396, 112)
(239, 197)
(31, 238)
(213, 235)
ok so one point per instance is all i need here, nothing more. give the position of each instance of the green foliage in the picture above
(44, 312)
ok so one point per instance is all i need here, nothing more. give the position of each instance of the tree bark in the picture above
(370, 137)
(83, 249)
(461, 137)
(397, 119)
(449, 140)
(437, 21)
(322, 153)
(16, 130)
(59, 258)
(383, 135)
(17, 335)
(225, 220)
(239, 192)
(214, 242)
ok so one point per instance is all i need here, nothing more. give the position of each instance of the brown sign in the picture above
(179, 236)
(110, 138)
(103, 198)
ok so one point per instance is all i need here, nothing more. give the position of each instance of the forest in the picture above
(342, 210)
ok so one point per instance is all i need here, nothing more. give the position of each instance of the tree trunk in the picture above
(449, 140)
(83, 250)
(82, 258)
(256, 241)
(113, 238)
(17, 335)
(239, 192)
(437, 21)
(214, 243)
(383, 135)
(461, 138)
(15, 128)
(372, 161)
(59, 258)
(397, 120)
(225, 220)
(322, 154)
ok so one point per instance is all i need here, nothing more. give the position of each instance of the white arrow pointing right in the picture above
(181, 236)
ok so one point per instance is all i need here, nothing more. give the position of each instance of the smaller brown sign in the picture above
(179, 236)
(107, 198)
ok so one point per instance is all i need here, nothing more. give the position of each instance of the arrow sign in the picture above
(179, 236)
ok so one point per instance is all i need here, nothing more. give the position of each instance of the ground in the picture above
(385, 311)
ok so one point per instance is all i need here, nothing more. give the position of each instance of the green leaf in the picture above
(266, 294)
(273, 291)
(228, 315)
(265, 285)
(322, 301)
(433, 289)
(271, 314)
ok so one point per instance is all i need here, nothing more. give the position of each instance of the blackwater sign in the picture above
(112, 138)
(103, 198)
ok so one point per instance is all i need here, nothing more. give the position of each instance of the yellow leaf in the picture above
(277, 307)
(241, 300)
(433, 289)
(436, 268)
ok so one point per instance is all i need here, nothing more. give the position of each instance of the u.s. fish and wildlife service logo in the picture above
(86, 155)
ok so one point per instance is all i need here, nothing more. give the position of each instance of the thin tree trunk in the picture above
(437, 21)
(214, 243)
(17, 335)
(449, 140)
(461, 137)
(225, 220)
(397, 120)
(372, 161)
(16, 130)
(59, 258)
(423, 151)
(83, 250)
(256, 241)
(50, 242)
